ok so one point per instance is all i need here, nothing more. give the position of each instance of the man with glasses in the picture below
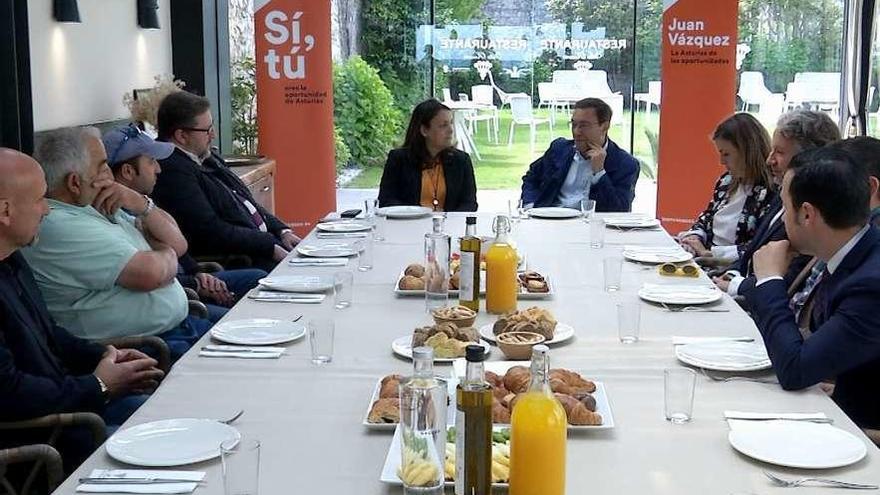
(215, 210)
(590, 166)
(133, 160)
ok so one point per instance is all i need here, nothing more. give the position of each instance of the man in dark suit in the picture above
(826, 215)
(591, 166)
(215, 210)
(796, 131)
(43, 368)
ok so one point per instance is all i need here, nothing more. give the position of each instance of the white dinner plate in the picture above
(657, 255)
(687, 294)
(554, 212)
(796, 444)
(401, 212)
(603, 406)
(257, 331)
(725, 356)
(344, 227)
(632, 222)
(329, 250)
(562, 333)
(402, 346)
(170, 442)
(450, 410)
(297, 283)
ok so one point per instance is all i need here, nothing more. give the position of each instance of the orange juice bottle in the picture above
(537, 435)
(502, 285)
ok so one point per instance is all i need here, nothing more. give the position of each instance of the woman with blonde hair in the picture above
(742, 194)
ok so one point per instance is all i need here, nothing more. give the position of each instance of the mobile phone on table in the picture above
(350, 213)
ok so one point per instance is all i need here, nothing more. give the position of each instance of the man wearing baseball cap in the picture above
(132, 156)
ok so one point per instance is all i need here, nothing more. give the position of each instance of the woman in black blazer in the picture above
(428, 170)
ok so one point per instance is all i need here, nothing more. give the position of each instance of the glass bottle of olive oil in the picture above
(473, 428)
(469, 272)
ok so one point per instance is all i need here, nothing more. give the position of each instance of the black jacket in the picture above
(213, 220)
(43, 368)
(402, 180)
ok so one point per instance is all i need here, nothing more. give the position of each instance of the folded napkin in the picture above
(189, 481)
(244, 348)
(680, 340)
(318, 261)
(243, 354)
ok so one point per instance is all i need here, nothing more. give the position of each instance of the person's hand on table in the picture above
(137, 375)
(213, 288)
(721, 282)
(289, 240)
(773, 259)
(280, 253)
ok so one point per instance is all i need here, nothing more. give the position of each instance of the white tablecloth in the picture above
(308, 418)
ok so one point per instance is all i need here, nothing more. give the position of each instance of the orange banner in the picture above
(699, 84)
(295, 106)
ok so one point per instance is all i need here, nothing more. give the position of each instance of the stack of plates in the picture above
(554, 212)
(631, 222)
(688, 294)
(725, 356)
(403, 212)
(296, 283)
(796, 444)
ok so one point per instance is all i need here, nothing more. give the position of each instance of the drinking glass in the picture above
(588, 207)
(321, 332)
(629, 315)
(371, 213)
(678, 389)
(343, 286)
(613, 266)
(365, 253)
(597, 233)
(240, 463)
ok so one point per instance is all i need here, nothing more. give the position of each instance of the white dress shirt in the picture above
(578, 181)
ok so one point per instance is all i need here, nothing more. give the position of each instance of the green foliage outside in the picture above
(343, 154)
(364, 112)
(243, 95)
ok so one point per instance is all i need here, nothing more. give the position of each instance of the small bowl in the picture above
(518, 345)
(459, 322)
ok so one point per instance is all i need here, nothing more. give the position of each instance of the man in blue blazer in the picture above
(43, 368)
(826, 215)
(796, 131)
(590, 166)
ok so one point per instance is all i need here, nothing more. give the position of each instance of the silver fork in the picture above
(298, 317)
(232, 419)
(692, 309)
(736, 378)
(801, 481)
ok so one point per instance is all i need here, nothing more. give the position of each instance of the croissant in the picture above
(569, 382)
(577, 413)
(390, 386)
(517, 379)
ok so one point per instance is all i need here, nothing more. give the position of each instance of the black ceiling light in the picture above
(66, 11)
(148, 14)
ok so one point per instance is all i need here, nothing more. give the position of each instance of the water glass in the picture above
(321, 332)
(371, 213)
(365, 253)
(629, 316)
(343, 286)
(588, 207)
(241, 467)
(678, 388)
(597, 233)
(613, 267)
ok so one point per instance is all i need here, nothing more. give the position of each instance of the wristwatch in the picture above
(148, 208)
(104, 390)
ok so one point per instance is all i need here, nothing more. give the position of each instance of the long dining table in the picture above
(308, 418)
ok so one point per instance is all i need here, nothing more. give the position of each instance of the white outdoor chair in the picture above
(752, 90)
(447, 95)
(651, 98)
(523, 114)
(482, 95)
